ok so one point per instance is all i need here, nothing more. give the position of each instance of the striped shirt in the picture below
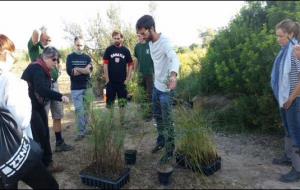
(294, 74)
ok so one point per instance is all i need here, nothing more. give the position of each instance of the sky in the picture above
(178, 20)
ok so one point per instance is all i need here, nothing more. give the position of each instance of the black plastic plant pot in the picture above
(164, 177)
(180, 159)
(104, 183)
(130, 157)
(212, 168)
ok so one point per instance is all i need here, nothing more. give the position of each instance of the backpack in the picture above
(18, 153)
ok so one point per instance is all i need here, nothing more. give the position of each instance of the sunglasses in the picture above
(55, 59)
(79, 45)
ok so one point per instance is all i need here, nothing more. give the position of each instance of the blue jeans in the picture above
(291, 122)
(81, 118)
(162, 108)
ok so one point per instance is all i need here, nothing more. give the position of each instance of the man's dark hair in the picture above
(78, 38)
(116, 32)
(146, 22)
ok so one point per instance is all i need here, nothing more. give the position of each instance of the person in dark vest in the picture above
(38, 77)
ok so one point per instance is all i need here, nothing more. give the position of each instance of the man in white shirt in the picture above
(166, 67)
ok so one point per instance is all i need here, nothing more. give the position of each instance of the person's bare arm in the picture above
(297, 51)
(292, 97)
(105, 69)
(135, 65)
(296, 91)
(87, 70)
(172, 81)
(35, 37)
(129, 73)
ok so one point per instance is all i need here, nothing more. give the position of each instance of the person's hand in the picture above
(126, 81)
(106, 83)
(76, 72)
(65, 99)
(172, 83)
(35, 37)
(297, 51)
(288, 103)
(89, 66)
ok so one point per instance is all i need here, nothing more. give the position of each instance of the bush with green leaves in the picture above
(239, 62)
(188, 85)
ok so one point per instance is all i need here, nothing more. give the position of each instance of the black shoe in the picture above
(157, 148)
(63, 147)
(283, 161)
(292, 176)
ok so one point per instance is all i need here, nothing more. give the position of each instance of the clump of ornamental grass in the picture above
(139, 96)
(107, 138)
(194, 140)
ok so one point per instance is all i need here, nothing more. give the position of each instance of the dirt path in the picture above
(246, 160)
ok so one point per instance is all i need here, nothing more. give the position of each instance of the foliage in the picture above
(239, 61)
(107, 137)
(207, 36)
(139, 95)
(22, 57)
(64, 53)
(188, 85)
(246, 114)
(194, 139)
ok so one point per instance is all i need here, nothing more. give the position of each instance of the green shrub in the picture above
(238, 63)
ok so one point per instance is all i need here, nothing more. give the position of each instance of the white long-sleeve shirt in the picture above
(14, 97)
(165, 61)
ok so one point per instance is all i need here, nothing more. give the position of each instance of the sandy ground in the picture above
(246, 159)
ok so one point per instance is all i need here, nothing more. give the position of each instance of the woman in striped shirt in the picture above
(286, 89)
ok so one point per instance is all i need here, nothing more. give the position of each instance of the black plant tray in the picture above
(205, 169)
(104, 183)
(211, 169)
